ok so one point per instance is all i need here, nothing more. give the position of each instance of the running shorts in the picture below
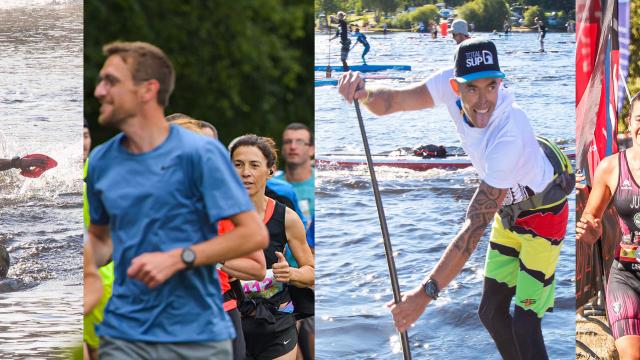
(268, 341)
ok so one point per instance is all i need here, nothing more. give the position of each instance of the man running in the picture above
(360, 38)
(155, 193)
(542, 32)
(520, 189)
(343, 33)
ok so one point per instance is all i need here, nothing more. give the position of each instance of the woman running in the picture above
(267, 311)
(617, 178)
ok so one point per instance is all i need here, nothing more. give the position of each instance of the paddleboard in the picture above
(405, 161)
(364, 68)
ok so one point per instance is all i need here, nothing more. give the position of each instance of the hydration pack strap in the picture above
(556, 191)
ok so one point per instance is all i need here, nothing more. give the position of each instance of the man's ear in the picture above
(150, 90)
(455, 86)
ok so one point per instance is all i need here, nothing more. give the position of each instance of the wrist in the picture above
(430, 288)
(178, 262)
(16, 162)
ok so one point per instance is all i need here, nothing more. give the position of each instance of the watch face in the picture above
(188, 256)
(430, 290)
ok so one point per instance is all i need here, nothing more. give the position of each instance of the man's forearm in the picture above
(245, 269)
(240, 241)
(379, 100)
(483, 207)
(457, 253)
(100, 248)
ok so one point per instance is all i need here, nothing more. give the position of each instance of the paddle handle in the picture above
(395, 286)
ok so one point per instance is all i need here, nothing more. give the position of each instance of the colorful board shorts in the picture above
(623, 300)
(526, 255)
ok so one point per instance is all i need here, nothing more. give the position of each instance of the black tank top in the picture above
(277, 234)
(627, 197)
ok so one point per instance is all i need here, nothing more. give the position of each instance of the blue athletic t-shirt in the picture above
(170, 197)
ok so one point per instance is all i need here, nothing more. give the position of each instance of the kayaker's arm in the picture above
(21, 163)
(485, 203)
(382, 100)
(5, 164)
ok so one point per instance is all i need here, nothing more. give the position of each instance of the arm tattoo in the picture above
(483, 207)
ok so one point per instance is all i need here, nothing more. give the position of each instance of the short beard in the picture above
(113, 121)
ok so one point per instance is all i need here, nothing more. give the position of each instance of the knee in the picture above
(628, 347)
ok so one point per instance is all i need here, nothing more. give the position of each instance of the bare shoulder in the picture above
(608, 170)
(291, 219)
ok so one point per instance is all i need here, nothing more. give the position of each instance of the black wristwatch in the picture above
(188, 257)
(431, 288)
(14, 162)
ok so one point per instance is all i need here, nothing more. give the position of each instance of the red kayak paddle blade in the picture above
(36, 171)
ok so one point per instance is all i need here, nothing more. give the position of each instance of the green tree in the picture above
(244, 66)
(386, 6)
(425, 14)
(565, 5)
(532, 13)
(487, 15)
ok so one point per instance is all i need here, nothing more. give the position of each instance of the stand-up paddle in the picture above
(328, 70)
(404, 337)
(36, 171)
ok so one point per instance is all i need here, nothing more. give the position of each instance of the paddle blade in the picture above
(36, 171)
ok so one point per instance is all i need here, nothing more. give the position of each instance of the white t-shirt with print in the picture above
(505, 153)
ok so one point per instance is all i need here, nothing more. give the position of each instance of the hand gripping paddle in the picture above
(36, 171)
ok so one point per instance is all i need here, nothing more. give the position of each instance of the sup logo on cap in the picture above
(477, 59)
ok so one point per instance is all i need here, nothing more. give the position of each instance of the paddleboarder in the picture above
(360, 38)
(523, 189)
(542, 31)
(615, 179)
(343, 33)
(166, 300)
(459, 31)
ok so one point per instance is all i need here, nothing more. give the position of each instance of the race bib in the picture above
(264, 289)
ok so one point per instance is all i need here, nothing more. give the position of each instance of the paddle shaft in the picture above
(404, 337)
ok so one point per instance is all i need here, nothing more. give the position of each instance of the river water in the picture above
(41, 44)
(424, 209)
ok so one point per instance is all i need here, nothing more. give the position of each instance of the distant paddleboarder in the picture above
(506, 27)
(343, 33)
(522, 193)
(542, 32)
(360, 38)
(459, 31)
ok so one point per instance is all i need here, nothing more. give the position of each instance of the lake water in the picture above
(41, 43)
